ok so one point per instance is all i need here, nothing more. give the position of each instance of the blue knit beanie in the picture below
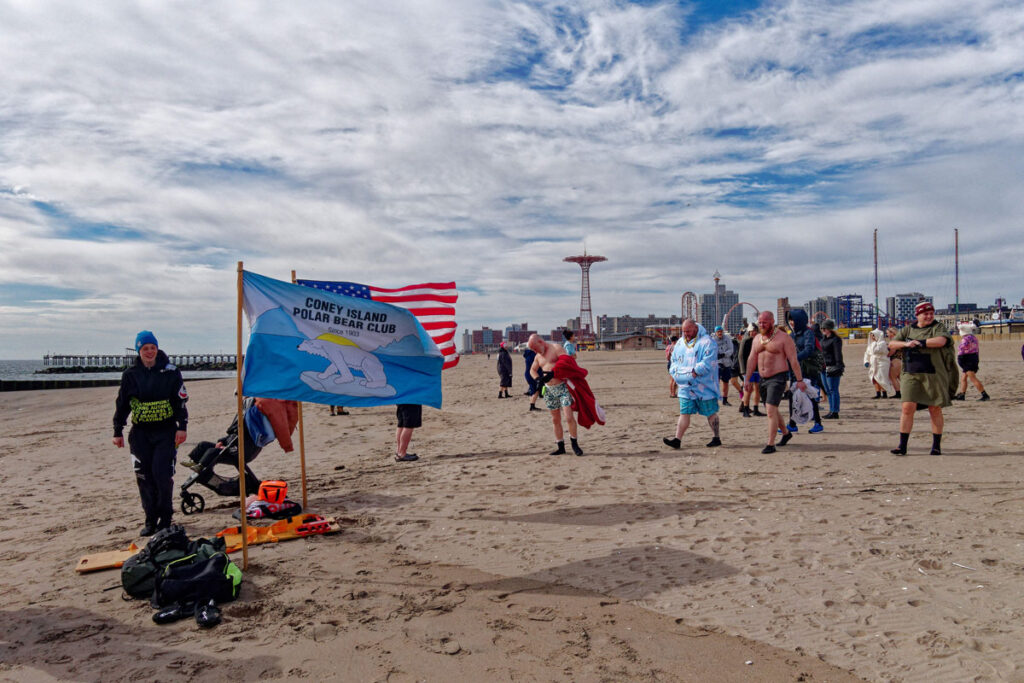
(143, 338)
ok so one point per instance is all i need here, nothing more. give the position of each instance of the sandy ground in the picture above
(830, 560)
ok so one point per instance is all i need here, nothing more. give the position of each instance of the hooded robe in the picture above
(876, 355)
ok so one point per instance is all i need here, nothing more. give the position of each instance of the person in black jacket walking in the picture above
(832, 350)
(153, 391)
(504, 372)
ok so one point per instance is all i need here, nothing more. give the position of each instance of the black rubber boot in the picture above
(207, 614)
(560, 450)
(173, 613)
(902, 448)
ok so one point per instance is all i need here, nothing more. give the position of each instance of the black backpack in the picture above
(139, 572)
(203, 576)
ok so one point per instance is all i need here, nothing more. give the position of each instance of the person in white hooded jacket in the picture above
(876, 360)
(694, 367)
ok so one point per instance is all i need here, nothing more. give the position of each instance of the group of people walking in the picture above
(916, 364)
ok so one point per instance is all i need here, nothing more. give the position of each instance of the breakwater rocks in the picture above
(38, 384)
(78, 369)
(42, 384)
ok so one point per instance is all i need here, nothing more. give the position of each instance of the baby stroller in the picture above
(207, 455)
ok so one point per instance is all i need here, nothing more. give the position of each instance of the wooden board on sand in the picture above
(284, 530)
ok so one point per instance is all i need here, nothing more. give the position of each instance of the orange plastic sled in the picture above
(284, 530)
(299, 526)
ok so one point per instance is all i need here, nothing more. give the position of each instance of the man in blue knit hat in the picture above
(153, 391)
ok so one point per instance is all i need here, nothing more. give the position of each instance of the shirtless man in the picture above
(556, 394)
(773, 354)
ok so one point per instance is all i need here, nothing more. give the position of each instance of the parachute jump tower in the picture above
(586, 314)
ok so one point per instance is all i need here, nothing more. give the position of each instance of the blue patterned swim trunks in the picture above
(694, 406)
(557, 396)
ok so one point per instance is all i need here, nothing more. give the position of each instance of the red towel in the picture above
(283, 416)
(583, 402)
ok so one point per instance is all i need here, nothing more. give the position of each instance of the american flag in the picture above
(433, 304)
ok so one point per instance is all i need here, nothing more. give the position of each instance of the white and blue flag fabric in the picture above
(321, 347)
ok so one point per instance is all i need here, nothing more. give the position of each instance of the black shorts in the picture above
(772, 388)
(968, 362)
(410, 415)
(724, 374)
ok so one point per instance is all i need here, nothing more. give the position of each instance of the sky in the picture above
(148, 147)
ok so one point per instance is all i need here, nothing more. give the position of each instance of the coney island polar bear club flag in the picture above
(320, 347)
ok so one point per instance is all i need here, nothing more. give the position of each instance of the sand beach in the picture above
(489, 560)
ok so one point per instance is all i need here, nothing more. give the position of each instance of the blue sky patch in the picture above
(893, 38)
(711, 12)
(69, 226)
(22, 293)
(232, 171)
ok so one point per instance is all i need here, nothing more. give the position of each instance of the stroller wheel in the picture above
(191, 503)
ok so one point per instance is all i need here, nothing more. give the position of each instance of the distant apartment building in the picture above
(821, 308)
(486, 339)
(558, 337)
(467, 342)
(518, 333)
(966, 311)
(782, 309)
(900, 308)
(715, 305)
(609, 325)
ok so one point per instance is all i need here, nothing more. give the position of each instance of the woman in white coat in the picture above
(876, 359)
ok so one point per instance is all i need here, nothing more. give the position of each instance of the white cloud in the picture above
(482, 142)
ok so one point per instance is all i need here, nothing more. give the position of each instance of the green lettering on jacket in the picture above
(150, 411)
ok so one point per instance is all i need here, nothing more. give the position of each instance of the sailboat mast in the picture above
(956, 268)
(878, 323)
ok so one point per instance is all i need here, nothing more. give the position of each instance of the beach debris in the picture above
(963, 566)
(749, 662)
(540, 614)
(324, 632)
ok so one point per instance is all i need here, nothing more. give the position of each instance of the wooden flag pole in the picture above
(302, 446)
(241, 426)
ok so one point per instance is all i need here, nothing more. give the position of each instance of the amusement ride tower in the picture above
(586, 314)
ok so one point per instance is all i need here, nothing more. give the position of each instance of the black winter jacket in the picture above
(154, 396)
(832, 350)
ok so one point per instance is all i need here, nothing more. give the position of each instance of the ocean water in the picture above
(25, 370)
